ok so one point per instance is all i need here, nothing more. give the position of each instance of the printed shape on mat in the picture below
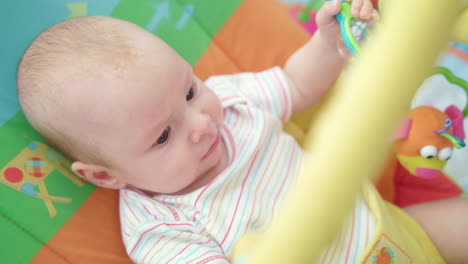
(28, 171)
(386, 251)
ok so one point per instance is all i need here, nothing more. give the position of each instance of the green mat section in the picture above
(187, 26)
(16, 246)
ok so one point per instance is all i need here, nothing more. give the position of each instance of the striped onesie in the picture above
(203, 226)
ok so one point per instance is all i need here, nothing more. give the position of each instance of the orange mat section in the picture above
(259, 35)
(91, 236)
(48, 255)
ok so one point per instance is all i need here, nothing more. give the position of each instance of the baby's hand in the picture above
(327, 24)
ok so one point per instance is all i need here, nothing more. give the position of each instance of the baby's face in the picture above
(162, 124)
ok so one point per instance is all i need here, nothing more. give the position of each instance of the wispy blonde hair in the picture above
(76, 46)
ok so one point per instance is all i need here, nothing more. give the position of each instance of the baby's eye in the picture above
(190, 94)
(193, 91)
(164, 136)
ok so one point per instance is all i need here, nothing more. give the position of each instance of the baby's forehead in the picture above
(137, 67)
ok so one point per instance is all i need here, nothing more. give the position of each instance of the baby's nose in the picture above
(201, 127)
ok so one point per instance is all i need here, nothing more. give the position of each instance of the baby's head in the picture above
(122, 104)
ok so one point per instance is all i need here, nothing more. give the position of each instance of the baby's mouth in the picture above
(213, 146)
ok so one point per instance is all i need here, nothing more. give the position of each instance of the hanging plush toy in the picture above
(424, 143)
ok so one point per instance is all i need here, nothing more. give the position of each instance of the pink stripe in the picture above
(151, 249)
(144, 233)
(201, 193)
(251, 119)
(146, 209)
(194, 216)
(286, 113)
(326, 255)
(351, 238)
(335, 253)
(287, 110)
(182, 250)
(261, 180)
(240, 195)
(265, 94)
(209, 259)
(243, 183)
(284, 181)
(256, 191)
(129, 207)
(173, 212)
(231, 142)
(227, 98)
(234, 153)
(213, 202)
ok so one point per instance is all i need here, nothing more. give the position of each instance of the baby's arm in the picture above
(314, 68)
(446, 222)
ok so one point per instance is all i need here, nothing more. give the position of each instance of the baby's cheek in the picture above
(216, 104)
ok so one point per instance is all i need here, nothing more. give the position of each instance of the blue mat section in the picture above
(20, 22)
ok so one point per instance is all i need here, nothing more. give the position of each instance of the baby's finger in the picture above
(327, 13)
(366, 10)
(356, 7)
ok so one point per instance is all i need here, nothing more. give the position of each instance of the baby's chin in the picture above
(207, 176)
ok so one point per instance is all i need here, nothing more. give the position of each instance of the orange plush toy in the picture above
(424, 143)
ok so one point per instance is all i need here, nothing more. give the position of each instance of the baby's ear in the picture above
(98, 175)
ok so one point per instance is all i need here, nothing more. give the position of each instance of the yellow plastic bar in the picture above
(352, 134)
(460, 30)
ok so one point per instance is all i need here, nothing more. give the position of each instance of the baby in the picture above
(197, 164)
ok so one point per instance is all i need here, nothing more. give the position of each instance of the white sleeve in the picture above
(267, 90)
(171, 243)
